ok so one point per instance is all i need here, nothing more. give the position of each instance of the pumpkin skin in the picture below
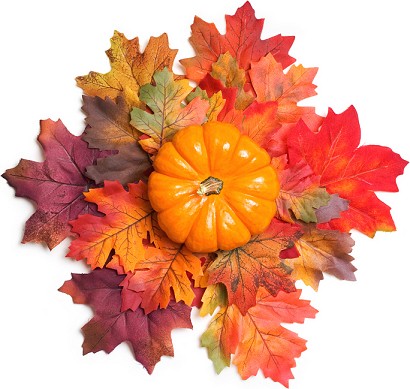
(188, 173)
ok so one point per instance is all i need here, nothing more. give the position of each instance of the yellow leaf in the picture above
(130, 69)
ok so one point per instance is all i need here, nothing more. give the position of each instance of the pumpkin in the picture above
(212, 188)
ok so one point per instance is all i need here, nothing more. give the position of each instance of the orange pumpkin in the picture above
(213, 188)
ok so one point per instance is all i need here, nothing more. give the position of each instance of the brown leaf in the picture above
(109, 129)
(322, 251)
(255, 264)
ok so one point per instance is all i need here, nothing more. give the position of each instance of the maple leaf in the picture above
(109, 129)
(130, 69)
(165, 99)
(257, 263)
(126, 222)
(215, 100)
(264, 343)
(300, 193)
(214, 296)
(287, 89)
(130, 299)
(163, 268)
(258, 340)
(242, 41)
(332, 210)
(148, 335)
(353, 172)
(260, 121)
(213, 86)
(55, 185)
(227, 70)
(222, 336)
(322, 251)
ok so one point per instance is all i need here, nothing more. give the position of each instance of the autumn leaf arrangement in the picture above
(219, 196)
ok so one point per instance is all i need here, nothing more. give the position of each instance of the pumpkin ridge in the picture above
(205, 204)
(212, 128)
(235, 185)
(234, 173)
(180, 204)
(222, 203)
(233, 209)
(195, 155)
(241, 214)
(170, 174)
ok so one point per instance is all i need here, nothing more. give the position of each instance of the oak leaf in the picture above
(242, 40)
(55, 185)
(169, 114)
(322, 251)
(109, 129)
(130, 69)
(255, 264)
(148, 335)
(126, 222)
(353, 172)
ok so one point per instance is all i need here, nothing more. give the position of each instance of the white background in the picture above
(360, 338)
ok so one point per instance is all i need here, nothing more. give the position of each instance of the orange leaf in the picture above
(287, 89)
(163, 268)
(126, 223)
(130, 69)
(264, 343)
(215, 100)
(260, 121)
(257, 263)
(257, 340)
(242, 41)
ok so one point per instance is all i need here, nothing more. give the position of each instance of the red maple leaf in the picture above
(353, 172)
(55, 185)
(149, 335)
(242, 40)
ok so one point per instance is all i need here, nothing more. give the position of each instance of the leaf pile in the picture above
(142, 285)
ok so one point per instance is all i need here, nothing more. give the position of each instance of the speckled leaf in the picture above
(55, 185)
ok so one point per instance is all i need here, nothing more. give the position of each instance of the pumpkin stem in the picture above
(210, 186)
